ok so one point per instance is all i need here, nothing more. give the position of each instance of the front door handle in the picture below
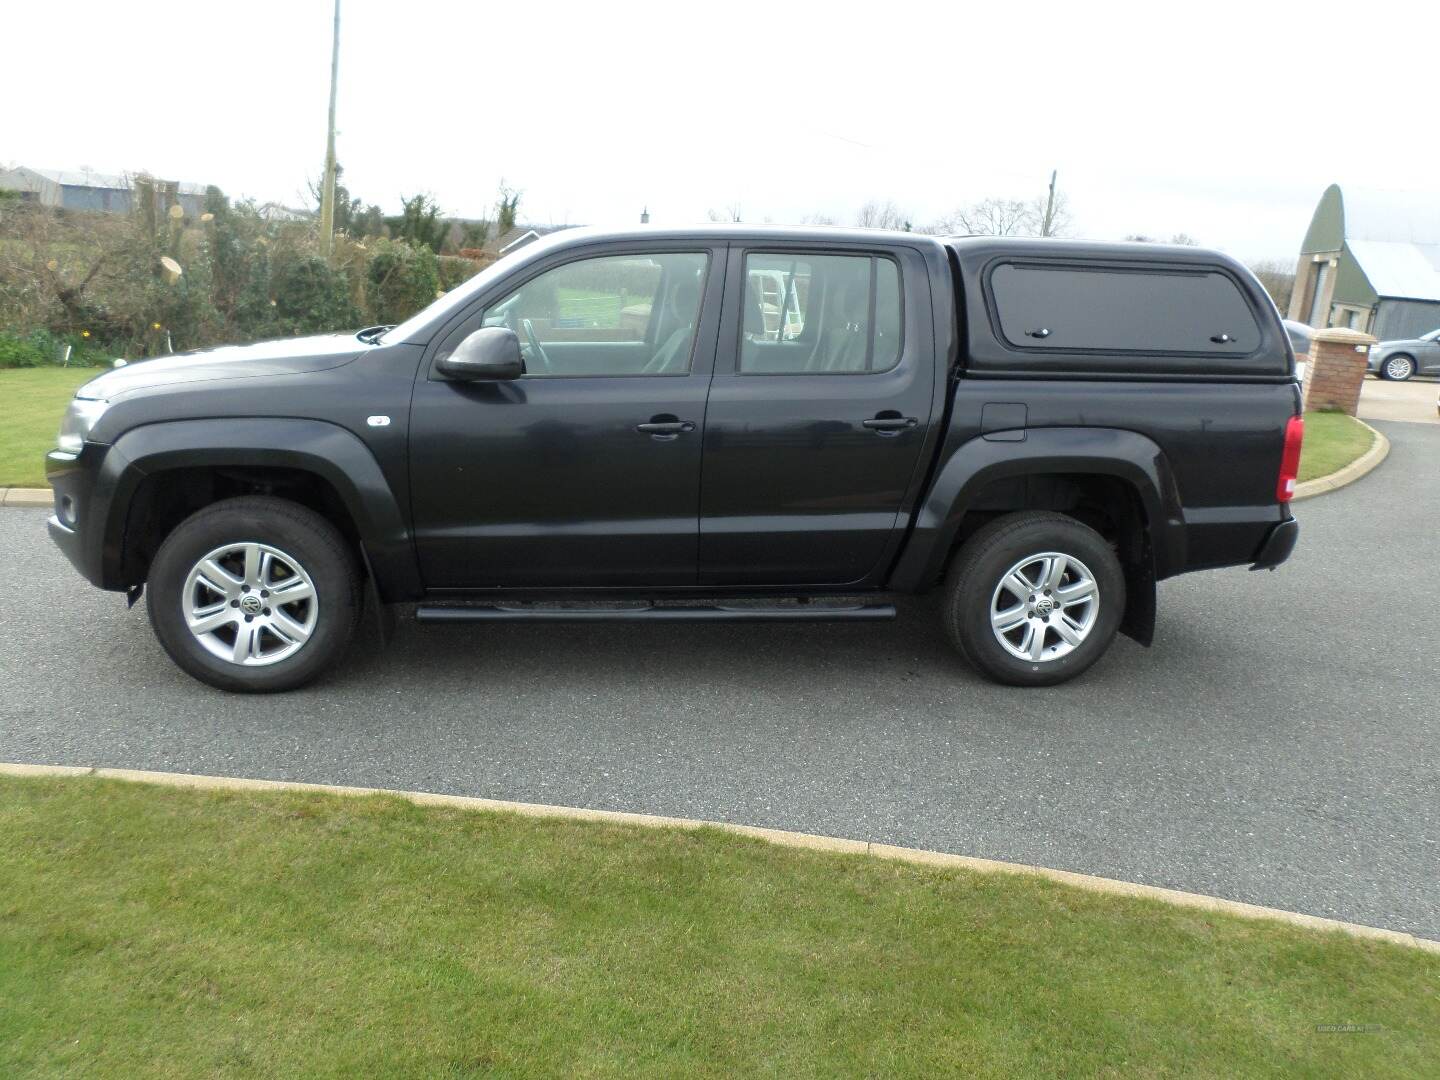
(665, 427)
(890, 423)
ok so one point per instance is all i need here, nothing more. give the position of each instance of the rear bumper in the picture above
(1279, 542)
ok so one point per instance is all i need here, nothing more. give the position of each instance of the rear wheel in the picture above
(254, 594)
(1398, 368)
(1034, 598)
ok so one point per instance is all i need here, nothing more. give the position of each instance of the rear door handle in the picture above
(890, 423)
(665, 428)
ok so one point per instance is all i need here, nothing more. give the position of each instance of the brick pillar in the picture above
(1337, 369)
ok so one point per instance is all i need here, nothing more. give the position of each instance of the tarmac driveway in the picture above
(1280, 744)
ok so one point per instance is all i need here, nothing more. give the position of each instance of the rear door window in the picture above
(820, 315)
(1122, 310)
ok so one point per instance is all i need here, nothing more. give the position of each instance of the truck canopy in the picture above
(1068, 307)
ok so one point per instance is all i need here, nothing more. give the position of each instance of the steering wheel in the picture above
(536, 347)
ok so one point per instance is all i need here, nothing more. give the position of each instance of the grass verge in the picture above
(32, 400)
(153, 931)
(1332, 441)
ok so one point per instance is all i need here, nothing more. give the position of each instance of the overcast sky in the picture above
(1216, 120)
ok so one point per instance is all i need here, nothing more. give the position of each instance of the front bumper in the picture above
(1279, 542)
(78, 525)
(68, 540)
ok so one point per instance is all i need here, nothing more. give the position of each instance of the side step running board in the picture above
(708, 613)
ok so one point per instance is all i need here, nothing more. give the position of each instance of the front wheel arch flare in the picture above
(332, 453)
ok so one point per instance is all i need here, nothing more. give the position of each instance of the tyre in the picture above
(1034, 598)
(254, 594)
(1398, 368)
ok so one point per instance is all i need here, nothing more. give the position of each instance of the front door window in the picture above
(617, 315)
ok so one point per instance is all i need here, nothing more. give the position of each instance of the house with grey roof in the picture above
(520, 235)
(1370, 261)
(85, 189)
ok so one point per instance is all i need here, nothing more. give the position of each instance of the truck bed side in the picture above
(1187, 441)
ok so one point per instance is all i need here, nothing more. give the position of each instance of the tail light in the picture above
(1290, 459)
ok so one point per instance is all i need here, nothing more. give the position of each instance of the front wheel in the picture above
(1398, 368)
(254, 594)
(1034, 598)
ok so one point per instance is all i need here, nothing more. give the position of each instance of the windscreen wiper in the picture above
(371, 333)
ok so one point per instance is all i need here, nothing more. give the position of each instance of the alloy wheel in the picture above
(1044, 607)
(1399, 368)
(250, 604)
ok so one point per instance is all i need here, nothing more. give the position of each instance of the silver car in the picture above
(1399, 360)
(1300, 335)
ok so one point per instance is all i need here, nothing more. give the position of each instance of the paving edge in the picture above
(20, 496)
(915, 856)
(1348, 474)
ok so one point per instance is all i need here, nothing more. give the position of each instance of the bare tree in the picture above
(818, 219)
(1045, 215)
(1179, 239)
(1278, 277)
(992, 217)
(729, 214)
(878, 215)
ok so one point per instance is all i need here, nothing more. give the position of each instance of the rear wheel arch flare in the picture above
(979, 466)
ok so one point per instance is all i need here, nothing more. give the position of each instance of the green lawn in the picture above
(148, 931)
(32, 400)
(1332, 441)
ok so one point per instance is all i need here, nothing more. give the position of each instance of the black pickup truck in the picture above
(726, 423)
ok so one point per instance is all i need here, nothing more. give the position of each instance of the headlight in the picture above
(79, 418)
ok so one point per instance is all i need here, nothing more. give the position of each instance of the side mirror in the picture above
(492, 352)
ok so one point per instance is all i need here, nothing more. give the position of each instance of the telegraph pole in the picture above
(327, 191)
(1047, 223)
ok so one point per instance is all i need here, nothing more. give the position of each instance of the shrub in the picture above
(310, 297)
(17, 351)
(104, 283)
(41, 348)
(400, 281)
(420, 223)
(456, 271)
(289, 289)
